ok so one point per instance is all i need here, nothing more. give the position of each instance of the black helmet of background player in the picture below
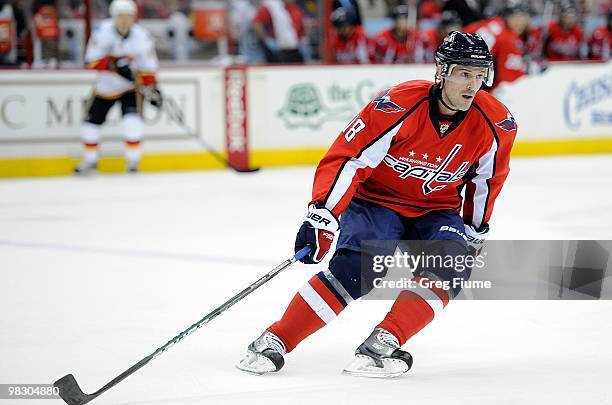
(342, 22)
(400, 15)
(568, 15)
(517, 15)
(449, 22)
(340, 18)
(460, 48)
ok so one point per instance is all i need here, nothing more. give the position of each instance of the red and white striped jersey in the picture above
(399, 153)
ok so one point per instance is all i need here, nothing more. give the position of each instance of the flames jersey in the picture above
(398, 153)
(508, 49)
(106, 45)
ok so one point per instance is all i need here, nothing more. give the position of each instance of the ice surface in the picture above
(98, 272)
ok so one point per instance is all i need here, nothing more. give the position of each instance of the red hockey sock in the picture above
(412, 311)
(313, 307)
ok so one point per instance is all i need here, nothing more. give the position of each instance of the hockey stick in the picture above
(72, 394)
(178, 118)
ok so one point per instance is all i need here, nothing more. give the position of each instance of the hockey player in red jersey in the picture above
(565, 37)
(396, 44)
(398, 171)
(503, 35)
(349, 41)
(600, 41)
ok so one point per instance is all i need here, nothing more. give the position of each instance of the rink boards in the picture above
(273, 116)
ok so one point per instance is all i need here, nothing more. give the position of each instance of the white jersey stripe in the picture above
(436, 304)
(317, 303)
(370, 157)
(486, 164)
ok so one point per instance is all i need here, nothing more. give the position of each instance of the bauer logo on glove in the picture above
(318, 231)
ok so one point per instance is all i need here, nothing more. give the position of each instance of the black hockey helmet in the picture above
(450, 18)
(515, 7)
(567, 7)
(340, 18)
(460, 48)
(401, 10)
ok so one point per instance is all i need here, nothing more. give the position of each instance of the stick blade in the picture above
(250, 170)
(70, 391)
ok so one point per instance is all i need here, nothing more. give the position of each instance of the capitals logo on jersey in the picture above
(509, 124)
(428, 172)
(384, 103)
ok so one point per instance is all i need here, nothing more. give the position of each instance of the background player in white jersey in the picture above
(124, 55)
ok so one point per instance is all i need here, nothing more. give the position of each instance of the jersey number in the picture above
(353, 128)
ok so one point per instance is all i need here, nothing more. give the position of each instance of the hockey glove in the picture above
(152, 95)
(476, 237)
(121, 66)
(317, 231)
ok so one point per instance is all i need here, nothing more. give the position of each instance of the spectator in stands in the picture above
(565, 37)
(429, 40)
(348, 40)
(396, 44)
(600, 41)
(46, 27)
(352, 9)
(279, 26)
(504, 35)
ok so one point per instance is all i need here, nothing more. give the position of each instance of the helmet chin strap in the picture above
(444, 103)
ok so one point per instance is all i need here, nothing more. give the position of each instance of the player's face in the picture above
(123, 23)
(461, 86)
(519, 22)
(568, 20)
(401, 23)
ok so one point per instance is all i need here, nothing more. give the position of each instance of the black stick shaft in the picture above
(70, 387)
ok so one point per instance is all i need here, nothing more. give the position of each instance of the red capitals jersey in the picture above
(397, 154)
(600, 44)
(388, 48)
(563, 45)
(353, 49)
(428, 42)
(507, 48)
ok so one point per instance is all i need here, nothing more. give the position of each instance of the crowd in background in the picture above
(523, 35)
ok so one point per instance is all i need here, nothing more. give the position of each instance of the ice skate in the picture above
(86, 168)
(132, 167)
(379, 356)
(264, 355)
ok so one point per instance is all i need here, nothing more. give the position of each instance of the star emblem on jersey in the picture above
(509, 124)
(412, 153)
(384, 103)
(428, 172)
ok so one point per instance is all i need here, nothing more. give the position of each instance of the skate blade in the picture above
(256, 364)
(364, 366)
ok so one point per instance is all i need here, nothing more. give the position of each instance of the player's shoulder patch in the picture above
(383, 102)
(495, 111)
(401, 97)
(507, 124)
